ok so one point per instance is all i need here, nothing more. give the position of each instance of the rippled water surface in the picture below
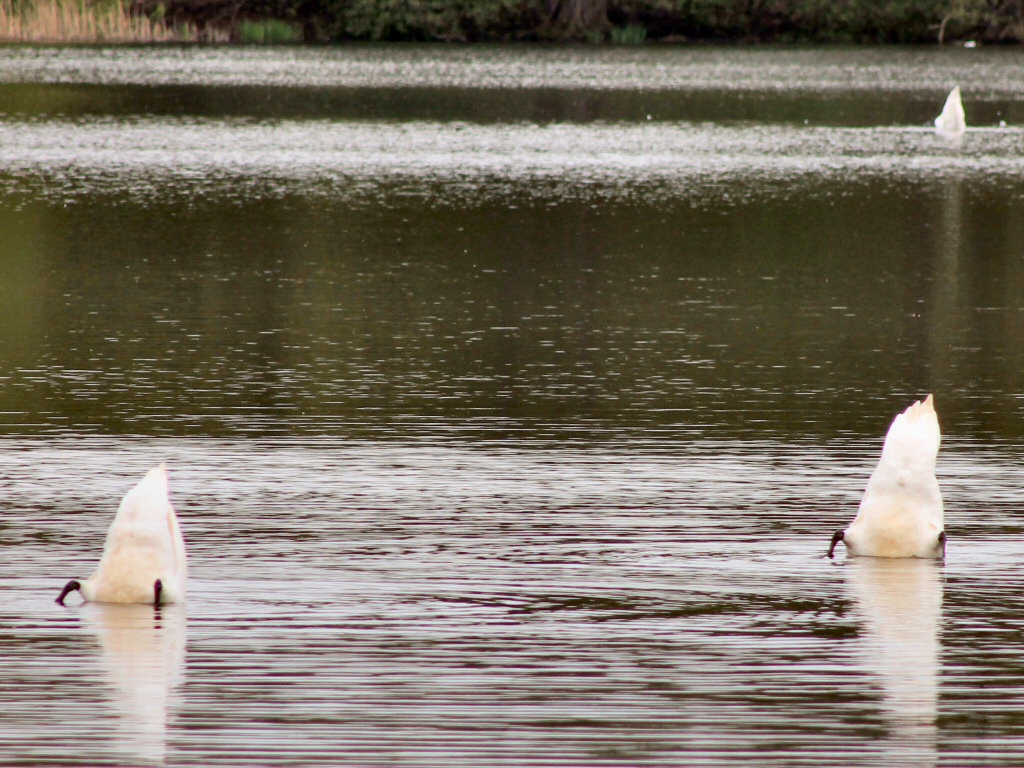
(510, 398)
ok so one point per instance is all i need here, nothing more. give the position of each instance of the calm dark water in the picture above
(510, 398)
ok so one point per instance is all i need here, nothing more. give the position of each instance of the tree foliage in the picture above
(860, 21)
(855, 21)
(453, 20)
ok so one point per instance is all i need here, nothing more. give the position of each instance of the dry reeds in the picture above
(81, 21)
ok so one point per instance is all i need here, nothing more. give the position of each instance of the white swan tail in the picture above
(901, 514)
(952, 121)
(144, 555)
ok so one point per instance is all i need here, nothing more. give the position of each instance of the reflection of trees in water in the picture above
(946, 321)
(900, 604)
(143, 656)
(971, 304)
(792, 307)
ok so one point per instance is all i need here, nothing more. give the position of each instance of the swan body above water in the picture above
(952, 122)
(901, 512)
(144, 555)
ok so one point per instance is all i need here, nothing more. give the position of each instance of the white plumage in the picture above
(901, 512)
(144, 555)
(952, 122)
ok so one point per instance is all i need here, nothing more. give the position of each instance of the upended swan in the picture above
(144, 555)
(952, 122)
(901, 512)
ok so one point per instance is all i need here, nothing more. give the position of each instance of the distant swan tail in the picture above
(952, 121)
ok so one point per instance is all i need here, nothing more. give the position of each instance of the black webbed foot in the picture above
(71, 586)
(836, 538)
(158, 587)
(942, 542)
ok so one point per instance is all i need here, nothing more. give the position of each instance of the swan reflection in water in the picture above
(142, 655)
(899, 601)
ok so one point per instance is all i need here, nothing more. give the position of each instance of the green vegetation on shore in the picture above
(622, 22)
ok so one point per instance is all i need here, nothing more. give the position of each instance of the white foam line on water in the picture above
(992, 73)
(87, 155)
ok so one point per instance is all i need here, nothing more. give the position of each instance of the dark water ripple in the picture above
(429, 604)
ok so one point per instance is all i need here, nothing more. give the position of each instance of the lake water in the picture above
(510, 397)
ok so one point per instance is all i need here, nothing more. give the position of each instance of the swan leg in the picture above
(942, 542)
(157, 589)
(71, 586)
(836, 538)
